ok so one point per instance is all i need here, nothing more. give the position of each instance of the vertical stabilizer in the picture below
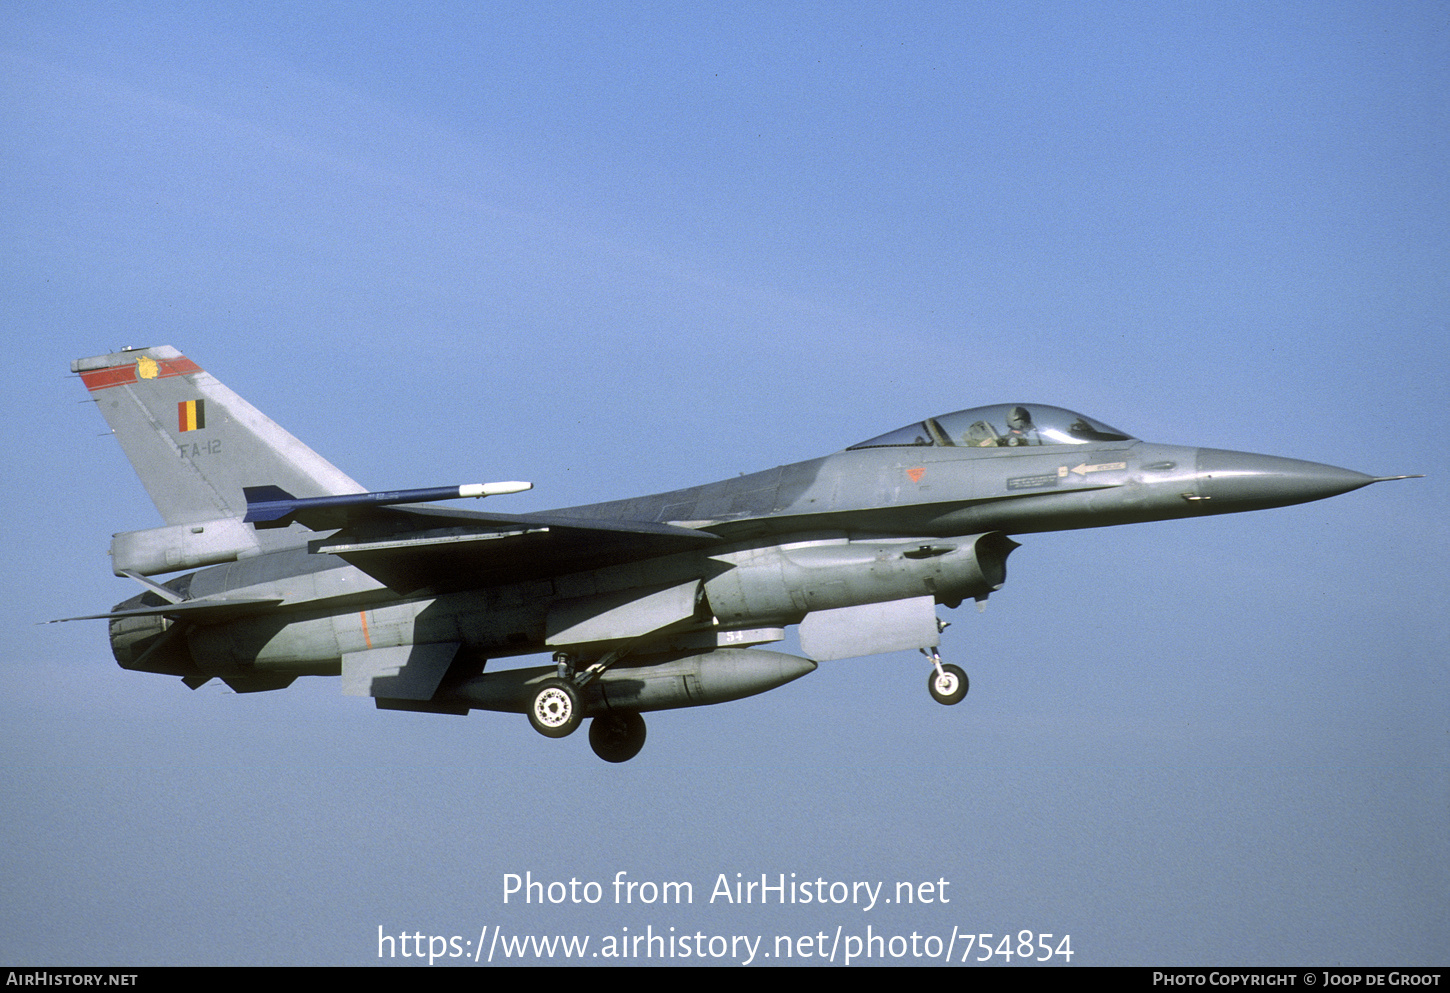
(195, 443)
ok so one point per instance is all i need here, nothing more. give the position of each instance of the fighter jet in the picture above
(652, 603)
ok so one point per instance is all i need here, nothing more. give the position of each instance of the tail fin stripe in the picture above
(143, 368)
(105, 378)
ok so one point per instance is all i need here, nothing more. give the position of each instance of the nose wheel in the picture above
(948, 683)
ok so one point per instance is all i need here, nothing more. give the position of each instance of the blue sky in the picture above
(617, 249)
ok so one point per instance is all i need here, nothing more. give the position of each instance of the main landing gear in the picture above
(617, 736)
(948, 683)
(556, 710)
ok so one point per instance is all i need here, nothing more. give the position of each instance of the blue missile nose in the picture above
(1232, 481)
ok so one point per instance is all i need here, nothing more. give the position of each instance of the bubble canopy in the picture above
(1003, 425)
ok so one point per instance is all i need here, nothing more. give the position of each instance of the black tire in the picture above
(948, 686)
(555, 710)
(618, 736)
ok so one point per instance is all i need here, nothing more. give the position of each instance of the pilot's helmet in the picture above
(1018, 419)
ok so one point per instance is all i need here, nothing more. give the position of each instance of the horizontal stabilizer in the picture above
(274, 507)
(200, 611)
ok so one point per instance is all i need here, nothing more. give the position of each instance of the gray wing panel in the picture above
(416, 550)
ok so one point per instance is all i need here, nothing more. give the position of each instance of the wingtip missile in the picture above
(272, 506)
(493, 489)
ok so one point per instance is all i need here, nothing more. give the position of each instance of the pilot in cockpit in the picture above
(1020, 429)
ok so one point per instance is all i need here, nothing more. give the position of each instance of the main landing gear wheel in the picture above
(555, 711)
(617, 736)
(949, 685)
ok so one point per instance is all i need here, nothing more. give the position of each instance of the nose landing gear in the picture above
(948, 683)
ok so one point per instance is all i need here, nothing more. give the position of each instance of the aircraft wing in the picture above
(426, 550)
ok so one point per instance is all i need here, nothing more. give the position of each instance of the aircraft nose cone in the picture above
(1244, 481)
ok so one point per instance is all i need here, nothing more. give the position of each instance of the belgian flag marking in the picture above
(191, 415)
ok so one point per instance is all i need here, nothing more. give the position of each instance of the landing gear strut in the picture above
(948, 683)
(617, 736)
(556, 709)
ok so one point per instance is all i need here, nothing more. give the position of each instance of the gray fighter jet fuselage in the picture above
(650, 603)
